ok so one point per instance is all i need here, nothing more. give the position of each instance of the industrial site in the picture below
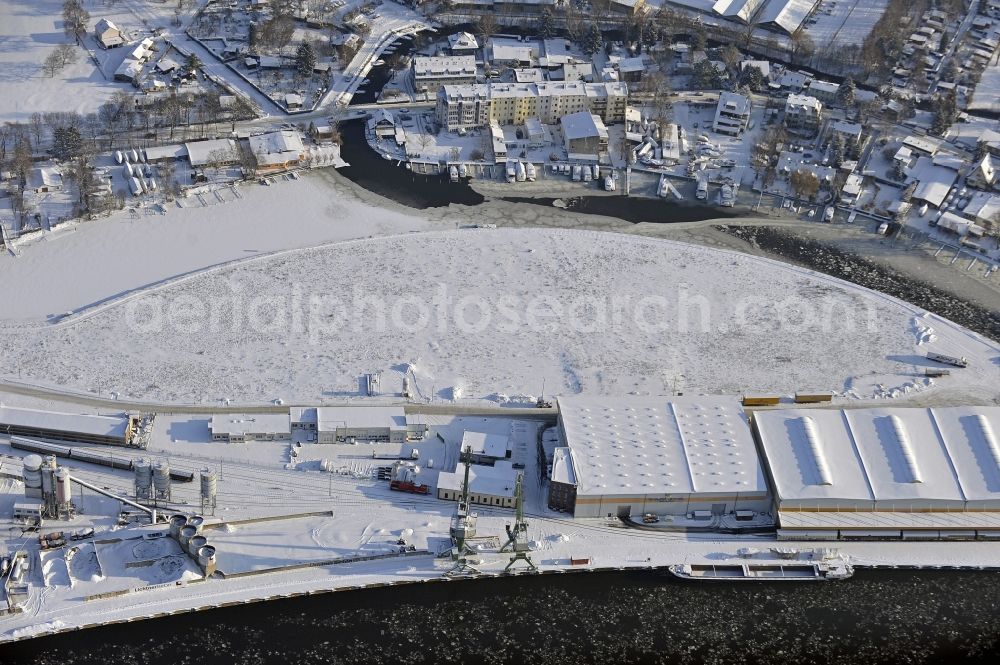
(408, 300)
(133, 514)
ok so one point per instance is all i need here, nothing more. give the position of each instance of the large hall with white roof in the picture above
(884, 473)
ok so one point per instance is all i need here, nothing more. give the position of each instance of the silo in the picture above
(32, 476)
(64, 493)
(195, 544)
(161, 480)
(143, 478)
(177, 522)
(187, 533)
(206, 560)
(49, 486)
(197, 521)
(209, 488)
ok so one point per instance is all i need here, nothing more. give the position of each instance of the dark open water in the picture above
(876, 617)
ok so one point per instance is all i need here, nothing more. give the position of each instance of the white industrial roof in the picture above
(115, 426)
(487, 444)
(258, 423)
(786, 14)
(496, 480)
(946, 456)
(302, 414)
(562, 466)
(329, 418)
(659, 445)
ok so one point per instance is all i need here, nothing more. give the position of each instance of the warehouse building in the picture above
(353, 424)
(486, 447)
(488, 485)
(884, 473)
(77, 428)
(240, 428)
(676, 455)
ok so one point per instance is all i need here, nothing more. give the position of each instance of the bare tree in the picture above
(37, 127)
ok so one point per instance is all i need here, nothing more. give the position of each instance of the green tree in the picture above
(305, 59)
(593, 41)
(945, 113)
(546, 24)
(753, 78)
(66, 142)
(192, 63)
(845, 93)
(706, 76)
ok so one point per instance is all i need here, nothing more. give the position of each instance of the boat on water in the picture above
(521, 172)
(804, 571)
(453, 172)
(463, 171)
(529, 171)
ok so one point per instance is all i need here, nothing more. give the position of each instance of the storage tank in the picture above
(64, 493)
(177, 522)
(195, 544)
(161, 479)
(197, 521)
(32, 476)
(206, 559)
(209, 488)
(187, 533)
(143, 477)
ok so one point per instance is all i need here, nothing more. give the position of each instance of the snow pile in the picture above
(586, 312)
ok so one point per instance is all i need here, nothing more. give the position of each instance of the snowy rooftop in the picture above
(331, 417)
(486, 443)
(945, 455)
(934, 181)
(496, 480)
(64, 422)
(583, 124)
(276, 147)
(258, 423)
(444, 66)
(203, 152)
(562, 466)
(650, 445)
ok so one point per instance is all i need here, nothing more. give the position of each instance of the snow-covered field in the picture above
(985, 98)
(84, 263)
(493, 314)
(29, 31)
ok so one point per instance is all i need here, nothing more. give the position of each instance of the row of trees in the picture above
(63, 55)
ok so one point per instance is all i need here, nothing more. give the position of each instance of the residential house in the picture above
(108, 34)
(732, 115)
(803, 112)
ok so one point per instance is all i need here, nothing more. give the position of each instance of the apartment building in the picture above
(803, 112)
(468, 106)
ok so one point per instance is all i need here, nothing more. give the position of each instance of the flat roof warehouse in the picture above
(913, 469)
(642, 453)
